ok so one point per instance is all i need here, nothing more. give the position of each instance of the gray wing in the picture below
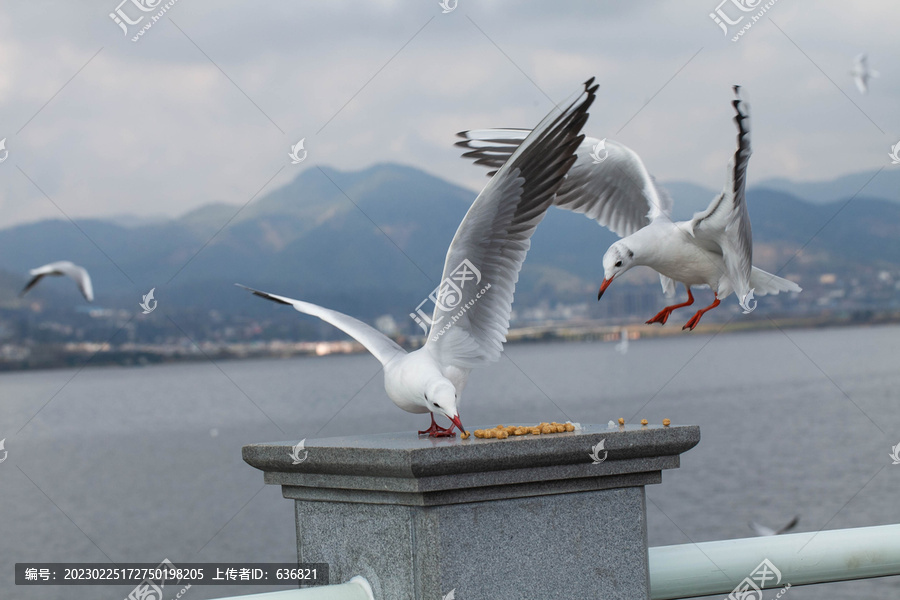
(789, 526)
(81, 278)
(761, 530)
(725, 225)
(474, 301)
(382, 347)
(608, 182)
(78, 274)
(861, 73)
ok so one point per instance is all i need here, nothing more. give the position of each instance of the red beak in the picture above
(603, 287)
(457, 422)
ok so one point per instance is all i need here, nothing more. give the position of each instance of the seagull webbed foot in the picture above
(437, 431)
(663, 315)
(696, 318)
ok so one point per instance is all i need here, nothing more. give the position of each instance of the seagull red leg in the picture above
(696, 318)
(437, 431)
(664, 314)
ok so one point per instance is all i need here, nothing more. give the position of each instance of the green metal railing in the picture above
(707, 568)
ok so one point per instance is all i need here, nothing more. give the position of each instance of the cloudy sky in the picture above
(205, 106)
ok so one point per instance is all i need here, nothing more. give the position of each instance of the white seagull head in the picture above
(440, 398)
(618, 259)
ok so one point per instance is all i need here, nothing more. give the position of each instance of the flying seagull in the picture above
(470, 322)
(763, 530)
(64, 267)
(715, 248)
(862, 73)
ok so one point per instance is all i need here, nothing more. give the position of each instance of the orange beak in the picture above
(603, 287)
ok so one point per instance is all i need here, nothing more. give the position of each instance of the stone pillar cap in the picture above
(404, 468)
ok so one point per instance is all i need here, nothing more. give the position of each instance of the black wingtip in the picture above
(738, 99)
(263, 294)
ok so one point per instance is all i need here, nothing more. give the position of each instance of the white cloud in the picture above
(155, 127)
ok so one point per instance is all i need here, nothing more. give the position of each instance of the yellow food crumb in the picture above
(643, 421)
(501, 432)
(621, 421)
(464, 435)
(666, 422)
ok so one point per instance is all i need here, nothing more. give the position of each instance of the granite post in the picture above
(534, 516)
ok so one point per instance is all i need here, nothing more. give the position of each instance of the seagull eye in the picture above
(619, 263)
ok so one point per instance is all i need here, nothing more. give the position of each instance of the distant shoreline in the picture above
(60, 357)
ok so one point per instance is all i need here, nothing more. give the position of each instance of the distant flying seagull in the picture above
(715, 248)
(64, 267)
(763, 530)
(862, 73)
(470, 327)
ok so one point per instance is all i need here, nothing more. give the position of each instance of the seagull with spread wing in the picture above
(715, 248)
(763, 530)
(64, 267)
(862, 73)
(494, 237)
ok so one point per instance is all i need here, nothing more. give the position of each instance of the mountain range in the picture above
(373, 241)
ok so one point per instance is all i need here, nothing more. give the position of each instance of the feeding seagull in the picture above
(494, 237)
(64, 267)
(715, 248)
(763, 530)
(862, 73)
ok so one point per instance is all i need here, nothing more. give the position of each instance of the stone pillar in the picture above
(523, 517)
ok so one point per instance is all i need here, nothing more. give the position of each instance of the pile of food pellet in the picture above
(503, 431)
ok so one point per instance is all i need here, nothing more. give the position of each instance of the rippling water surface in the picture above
(141, 464)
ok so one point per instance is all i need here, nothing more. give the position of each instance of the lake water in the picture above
(142, 464)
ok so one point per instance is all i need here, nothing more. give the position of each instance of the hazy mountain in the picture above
(885, 185)
(373, 241)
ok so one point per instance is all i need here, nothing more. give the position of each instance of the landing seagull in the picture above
(78, 274)
(763, 530)
(715, 248)
(862, 73)
(494, 236)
